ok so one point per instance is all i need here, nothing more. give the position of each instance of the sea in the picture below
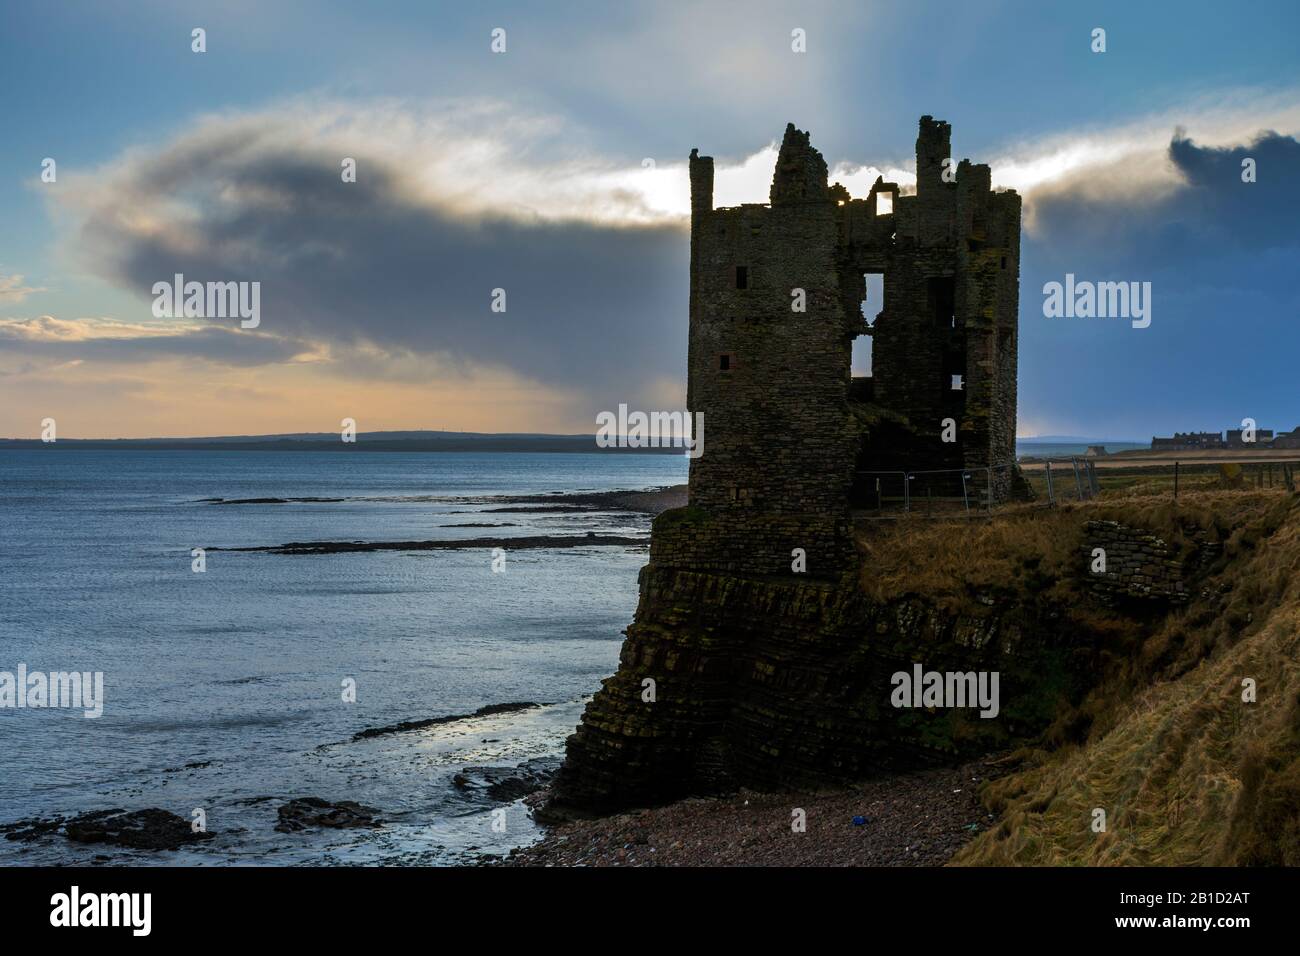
(1039, 448)
(231, 690)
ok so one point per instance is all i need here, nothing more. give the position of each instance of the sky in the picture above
(556, 171)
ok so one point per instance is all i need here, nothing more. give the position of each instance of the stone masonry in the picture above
(775, 384)
(1140, 564)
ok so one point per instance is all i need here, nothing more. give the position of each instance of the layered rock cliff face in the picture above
(729, 679)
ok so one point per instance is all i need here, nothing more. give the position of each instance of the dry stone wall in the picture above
(1138, 564)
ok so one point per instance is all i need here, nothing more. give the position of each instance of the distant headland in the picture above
(408, 441)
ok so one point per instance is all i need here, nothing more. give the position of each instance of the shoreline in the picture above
(468, 766)
(916, 818)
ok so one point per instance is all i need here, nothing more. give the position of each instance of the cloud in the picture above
(405, 260)
(1210, 215)
(12, 289)
(1128, 163)
(1219, 254)
(392, 276)
(78, 340)
(1261, 217)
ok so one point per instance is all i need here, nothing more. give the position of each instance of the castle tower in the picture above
(769, 357)
(944, 347)
(775, 304)
(750, 667)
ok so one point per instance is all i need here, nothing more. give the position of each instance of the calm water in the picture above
(1039, 449)
(241, 667)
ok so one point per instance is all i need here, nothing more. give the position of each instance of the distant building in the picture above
(1096, 451)
(1263, 438)
(1188, 441)
(1289, 439)
(1199, 441)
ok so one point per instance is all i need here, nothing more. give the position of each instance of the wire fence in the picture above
(943, 491)
(1074, 479)
(1146, 477)
(1050, 481)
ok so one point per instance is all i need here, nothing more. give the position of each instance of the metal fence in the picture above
(1070, 479)
(1160, 477)
(955, 492)
(938, 492)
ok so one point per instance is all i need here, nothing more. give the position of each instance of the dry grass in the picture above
(1186, 771)
(1031, 549)
(949, 563)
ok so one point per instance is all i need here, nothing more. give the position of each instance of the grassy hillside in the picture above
(1186, 772)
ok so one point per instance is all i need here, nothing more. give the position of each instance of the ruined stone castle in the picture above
(777, 298)
(743, 666)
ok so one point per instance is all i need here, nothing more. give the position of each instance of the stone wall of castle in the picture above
(769, 365)
(774, 383)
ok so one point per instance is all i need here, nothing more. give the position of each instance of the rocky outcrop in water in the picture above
(408, 725)
(507, 784)
(306, 813)
(149, 829)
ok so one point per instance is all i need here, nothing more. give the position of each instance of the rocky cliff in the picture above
(728, 679)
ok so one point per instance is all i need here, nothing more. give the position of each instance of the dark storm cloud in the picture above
(1215, 213)
(371, 264)
(403, 263)
(1220, 254)
(1260, 214)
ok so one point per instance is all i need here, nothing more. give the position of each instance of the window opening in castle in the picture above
(943, 299)
(873, 301)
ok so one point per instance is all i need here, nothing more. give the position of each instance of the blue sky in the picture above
(525, 170)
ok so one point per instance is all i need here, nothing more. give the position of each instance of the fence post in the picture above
(1176, 464)
(1094, 485)
(988, 497)
(1051, 497)
(907, 492)
(1078, 483)
(965, 498)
